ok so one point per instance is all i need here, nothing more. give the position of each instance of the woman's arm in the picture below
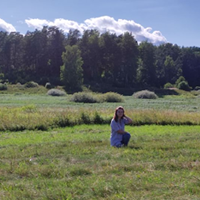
(128, 119)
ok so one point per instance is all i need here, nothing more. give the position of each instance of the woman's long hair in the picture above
(115, 115)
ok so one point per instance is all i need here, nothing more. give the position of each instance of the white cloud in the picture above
(4, 26)
(103, 24)
(37, 23)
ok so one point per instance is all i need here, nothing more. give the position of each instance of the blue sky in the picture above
(158, 21)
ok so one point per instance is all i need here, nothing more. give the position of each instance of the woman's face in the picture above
(120, 113)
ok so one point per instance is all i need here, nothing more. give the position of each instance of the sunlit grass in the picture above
(31, 117)
(161, 162)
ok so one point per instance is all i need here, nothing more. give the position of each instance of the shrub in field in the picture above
(85, 118)
(56, 92)
(3, 86)
(19, 86)
(98, 119)
(145, 94)
(183, 85)
(84, 97)
(180, 79)
(168, 85)
(31, 84)
(112, 97)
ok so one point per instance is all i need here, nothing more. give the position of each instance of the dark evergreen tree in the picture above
(36, 59)
(73, 37)
(129, 59)
(163, 52)
(146, 72)
(90, 52)
(12, 56)
(54, 54)
(110, 58)
(191, 65)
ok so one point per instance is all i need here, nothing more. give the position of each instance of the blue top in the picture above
(116, 138)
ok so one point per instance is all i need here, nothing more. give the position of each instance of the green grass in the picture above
(43, 100)
(77, 162)
(161, 162)
(43, 112)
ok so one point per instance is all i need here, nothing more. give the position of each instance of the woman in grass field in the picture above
(119, 137)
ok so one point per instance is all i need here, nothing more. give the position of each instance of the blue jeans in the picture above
(125, 139)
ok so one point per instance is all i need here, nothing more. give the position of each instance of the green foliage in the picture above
(71, 70)
(56, 92)
(171, 69)
(1, 77)
(84, 97)
(98, 119)
(112, 97)
(3, 86)
(180, 79)
(145, 94)
(19, 89)
(89, 97)
(85, 118)
(183, 85)
(116, 60)
(146, 71)
(31, 84)
(168, 85)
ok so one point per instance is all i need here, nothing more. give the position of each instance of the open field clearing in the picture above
(43, 101)
(52, 148)
(161, 162)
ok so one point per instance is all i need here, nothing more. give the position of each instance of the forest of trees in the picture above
(49, 55)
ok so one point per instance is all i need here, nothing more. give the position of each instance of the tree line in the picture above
(73, 59)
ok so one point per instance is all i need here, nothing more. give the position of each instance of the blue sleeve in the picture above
(125, 121)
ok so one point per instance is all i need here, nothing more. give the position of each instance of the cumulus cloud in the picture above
(103, 24)
(4, 26)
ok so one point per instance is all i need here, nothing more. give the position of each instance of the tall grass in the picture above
(42, 112)
(32, 118)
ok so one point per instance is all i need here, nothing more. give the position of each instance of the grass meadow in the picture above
(43, 112)
(52, 148)
(161, 162)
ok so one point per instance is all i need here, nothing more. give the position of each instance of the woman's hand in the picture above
(121, 131)
(128, 119)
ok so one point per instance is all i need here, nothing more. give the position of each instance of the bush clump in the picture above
(3, 86)
(56, 92)
(145, 94)
(31, 84)
(180, 79)
(112, 97)
(84, 97)
(168, 85)
(183, 85)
